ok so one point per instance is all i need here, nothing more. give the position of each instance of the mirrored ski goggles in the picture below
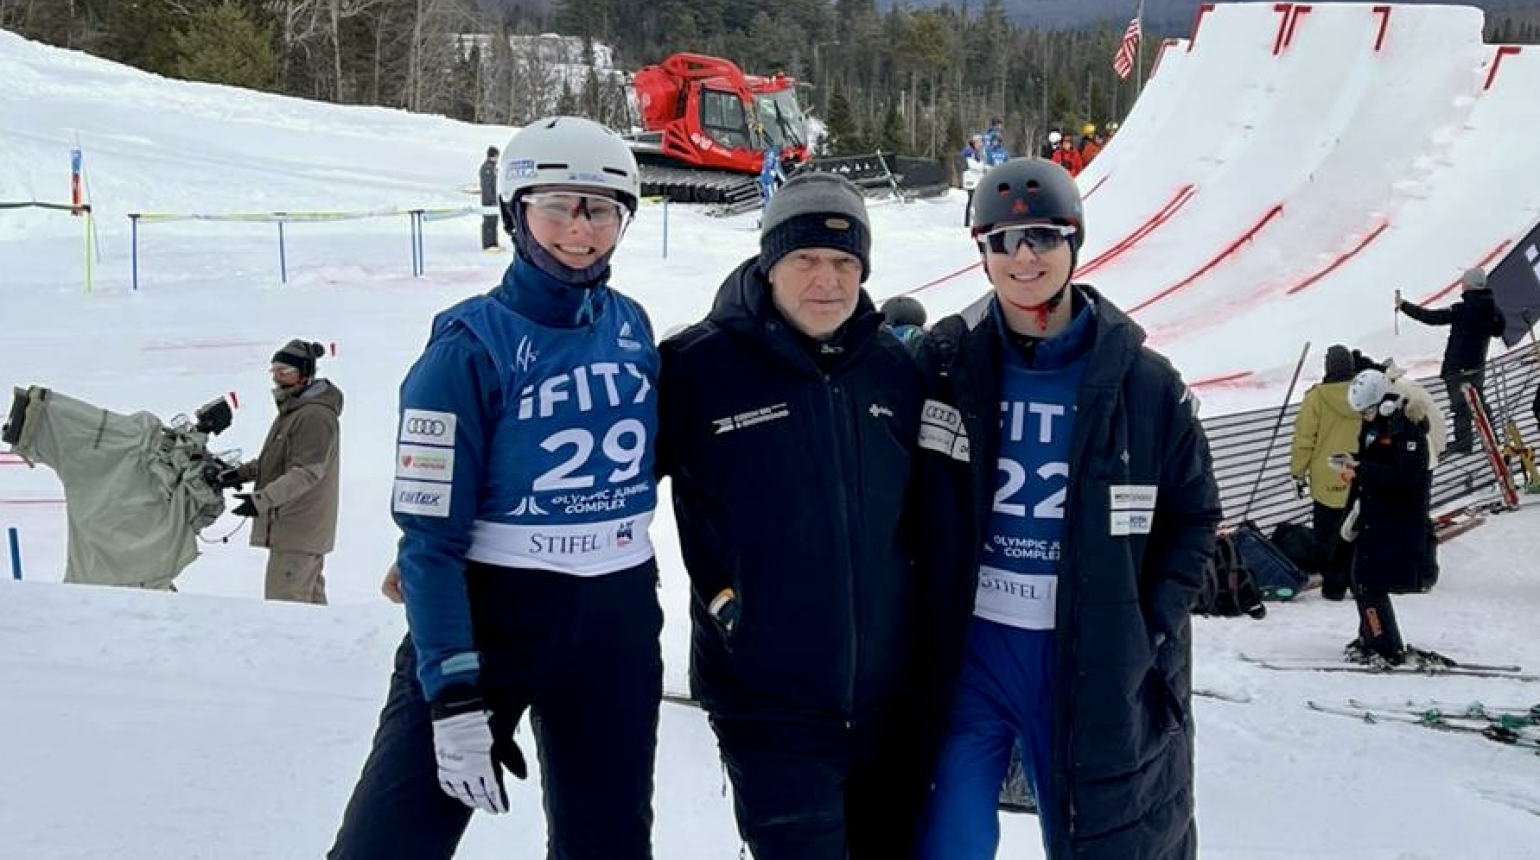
(1039, 238)
(563, 208)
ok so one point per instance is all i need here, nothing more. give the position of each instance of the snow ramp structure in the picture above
(1290, 166)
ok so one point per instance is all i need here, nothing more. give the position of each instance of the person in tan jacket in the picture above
(294, 503)
(1326, 426)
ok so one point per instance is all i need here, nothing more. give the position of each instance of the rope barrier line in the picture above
(416, 217)
(301, 217)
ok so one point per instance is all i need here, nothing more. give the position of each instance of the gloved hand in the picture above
(229, 479)
(247, 507)
(725, 610)
(1301, 487)
(468, 756)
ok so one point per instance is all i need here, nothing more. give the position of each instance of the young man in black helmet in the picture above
(1072, 507)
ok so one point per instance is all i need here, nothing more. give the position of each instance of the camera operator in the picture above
(293, 505)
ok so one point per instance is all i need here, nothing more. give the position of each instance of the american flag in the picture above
(1123, 60)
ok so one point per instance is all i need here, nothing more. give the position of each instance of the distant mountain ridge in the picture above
(1166, 16)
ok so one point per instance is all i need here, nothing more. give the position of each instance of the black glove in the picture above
(229, 479)
(1301, 487)
(725, 610)
(247, 507)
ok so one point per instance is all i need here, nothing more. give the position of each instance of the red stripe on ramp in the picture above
(941, 280)
(1498, 251)
(1342, 258)
(1220, 380)
(1497, 60)
(1177, 201)
(242, 344)
(1218, 258)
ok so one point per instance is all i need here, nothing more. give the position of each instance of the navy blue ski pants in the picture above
(806, 789)
(582, 655)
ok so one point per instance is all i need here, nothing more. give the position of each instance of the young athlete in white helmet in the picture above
(524, 488)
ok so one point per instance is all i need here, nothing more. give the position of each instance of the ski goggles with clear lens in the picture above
(563, 207)
(1039, 238)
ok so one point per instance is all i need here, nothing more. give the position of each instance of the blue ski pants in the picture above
(1003, 700)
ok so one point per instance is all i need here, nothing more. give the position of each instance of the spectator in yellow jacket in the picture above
(1327, 425)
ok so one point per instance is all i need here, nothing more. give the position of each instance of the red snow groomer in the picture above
(706, 125)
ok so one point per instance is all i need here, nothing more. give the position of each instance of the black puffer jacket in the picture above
(1392, 486)
(1473, 321)
(1122, 735)
(789, 483)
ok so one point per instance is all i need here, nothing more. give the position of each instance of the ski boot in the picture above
(1428, 661)
(1359, 653)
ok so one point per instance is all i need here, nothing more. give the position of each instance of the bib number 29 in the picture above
(623, 447)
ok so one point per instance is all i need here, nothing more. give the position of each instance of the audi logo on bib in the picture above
(423, 427)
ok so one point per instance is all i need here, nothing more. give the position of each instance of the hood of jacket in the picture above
(321, 392)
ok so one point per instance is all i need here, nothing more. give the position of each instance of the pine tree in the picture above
(223, 45)
(843, 137)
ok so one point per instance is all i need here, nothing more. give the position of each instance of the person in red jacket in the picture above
(1067, 157)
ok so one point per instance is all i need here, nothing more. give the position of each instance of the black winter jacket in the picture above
(1392, 486)
(1122, 735)
(1473, 321)
(789, 485)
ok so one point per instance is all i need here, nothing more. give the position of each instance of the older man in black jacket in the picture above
(1473, 321)
(788, 424)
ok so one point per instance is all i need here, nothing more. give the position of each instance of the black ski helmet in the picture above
(903, 310)
(1028, 189)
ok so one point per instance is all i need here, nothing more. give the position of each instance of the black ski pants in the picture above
(582, 655)
(814, 790)
(1459, 410)
(1326, 523)
(488, 231)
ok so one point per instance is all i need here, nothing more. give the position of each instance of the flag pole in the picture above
(1139, 51)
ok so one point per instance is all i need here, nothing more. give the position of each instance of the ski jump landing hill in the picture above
(1289, 166)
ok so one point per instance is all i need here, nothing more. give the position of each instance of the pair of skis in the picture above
(1512, 726)
(1452, 523)
(1443, 666)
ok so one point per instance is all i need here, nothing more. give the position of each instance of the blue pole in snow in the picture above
(412, 227)
(15, 540)
(283, 263)
(133, 232)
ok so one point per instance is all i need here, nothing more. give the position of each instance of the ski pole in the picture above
(1282, 410)
(1395, 315)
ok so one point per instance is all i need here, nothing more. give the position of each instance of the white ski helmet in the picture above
(1367, 390)
(570, 151)
(1054, 138)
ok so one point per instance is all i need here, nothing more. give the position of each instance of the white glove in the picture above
(467, 770)
(1349, 530)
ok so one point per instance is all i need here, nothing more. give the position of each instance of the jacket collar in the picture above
(540, 298)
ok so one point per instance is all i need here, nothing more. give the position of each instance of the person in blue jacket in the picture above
(1072, 505)
(524, 489)
(995, 152)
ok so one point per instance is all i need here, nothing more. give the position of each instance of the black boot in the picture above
(1377, 628)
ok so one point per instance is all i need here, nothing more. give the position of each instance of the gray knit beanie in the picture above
(300, 355)
(1474, 279)
(815, 210)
